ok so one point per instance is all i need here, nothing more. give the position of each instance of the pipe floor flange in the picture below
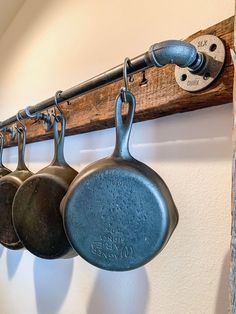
(214, 53)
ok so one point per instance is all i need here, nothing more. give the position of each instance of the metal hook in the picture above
(58, 94)
(19, 118)
(125, 73)
(2, 141)
(46, 118)
(1, 147)
(11, 131)
(125, 89)
(30, 115)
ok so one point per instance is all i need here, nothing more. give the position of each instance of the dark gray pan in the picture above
(9, 185)
(119, 213)
(36, 208)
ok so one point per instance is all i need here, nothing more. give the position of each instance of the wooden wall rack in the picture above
(160, 96)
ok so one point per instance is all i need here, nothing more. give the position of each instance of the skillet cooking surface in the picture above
(38, 220)
(7, 232)
(125, 214)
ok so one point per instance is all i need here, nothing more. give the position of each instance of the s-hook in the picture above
(56, 101)
(1, 146)
(125, 88)
(46, 118)
(57, 95)
(11, 130)
(22, 126)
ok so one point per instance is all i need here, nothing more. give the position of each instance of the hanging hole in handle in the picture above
(124, 112)
(60, 127)
(125, 107)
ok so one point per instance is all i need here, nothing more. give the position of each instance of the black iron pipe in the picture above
(176, 52)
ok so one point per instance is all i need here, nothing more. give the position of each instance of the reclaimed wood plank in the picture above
(161, 95)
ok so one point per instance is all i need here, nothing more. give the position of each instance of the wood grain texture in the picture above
(161, 95)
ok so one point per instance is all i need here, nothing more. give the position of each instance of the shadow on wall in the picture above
(120, 293)
(193, 136)
(222, 303)
(52, 282)
(1, 250)
(13, 262)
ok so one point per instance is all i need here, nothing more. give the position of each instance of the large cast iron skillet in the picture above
(118, 213)
(36, 209)
(9, 185)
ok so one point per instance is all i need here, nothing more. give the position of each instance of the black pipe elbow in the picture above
(176, 52)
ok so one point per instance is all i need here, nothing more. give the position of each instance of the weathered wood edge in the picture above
(161, 96)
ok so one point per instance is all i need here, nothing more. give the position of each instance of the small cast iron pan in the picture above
(36, 209)
(3, 170)
(9, 185)
(118, 213)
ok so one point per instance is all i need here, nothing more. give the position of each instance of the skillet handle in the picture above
(123, 128)
(59, 158)
(21, 132)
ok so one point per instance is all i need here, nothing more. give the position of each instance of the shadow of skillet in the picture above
(119, 293)
(1, 249)
(13, 262)
(52, 282)
(174, 138)
(222, 300)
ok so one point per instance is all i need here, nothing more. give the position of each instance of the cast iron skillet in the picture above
(36, 209)
(118, 213)
(3, 170)
(9, 184)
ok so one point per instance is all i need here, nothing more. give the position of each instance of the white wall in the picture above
(53, 45)
(8, 10)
